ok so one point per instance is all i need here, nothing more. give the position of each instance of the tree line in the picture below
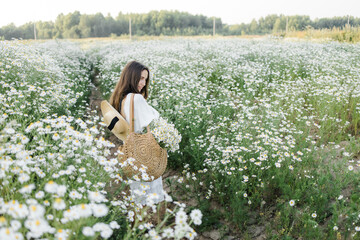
(280, 23)
(76, 25)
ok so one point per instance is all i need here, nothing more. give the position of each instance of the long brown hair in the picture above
(128, 83)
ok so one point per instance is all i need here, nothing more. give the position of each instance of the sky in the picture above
(230, 11)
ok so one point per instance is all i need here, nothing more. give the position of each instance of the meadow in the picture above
(270, 139)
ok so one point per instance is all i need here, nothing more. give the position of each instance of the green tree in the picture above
(45, 30)
(266, 25)
(86, 26)
(26, 30)
(59, 26)
(253, 27)
(11, 31)
(99, 25)
(122, 24)
(280, 24)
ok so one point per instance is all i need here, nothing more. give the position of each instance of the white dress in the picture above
(143, 114)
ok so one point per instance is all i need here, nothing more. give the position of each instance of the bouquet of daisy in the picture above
(165, 134)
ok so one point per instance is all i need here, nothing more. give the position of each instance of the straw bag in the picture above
(144, 149)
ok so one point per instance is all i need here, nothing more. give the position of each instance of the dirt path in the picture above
(95, 102)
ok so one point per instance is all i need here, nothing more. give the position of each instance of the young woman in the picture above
(135, 79)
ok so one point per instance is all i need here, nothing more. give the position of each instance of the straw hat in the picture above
(114, 121)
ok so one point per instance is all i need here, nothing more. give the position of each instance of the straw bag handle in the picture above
(132, 115)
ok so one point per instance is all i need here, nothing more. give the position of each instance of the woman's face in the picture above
(142, 82)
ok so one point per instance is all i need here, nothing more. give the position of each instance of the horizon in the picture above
(230, 11)
(114, 17)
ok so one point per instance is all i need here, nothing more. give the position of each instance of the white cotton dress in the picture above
(143, 114)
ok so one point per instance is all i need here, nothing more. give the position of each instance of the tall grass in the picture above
(343, 34)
